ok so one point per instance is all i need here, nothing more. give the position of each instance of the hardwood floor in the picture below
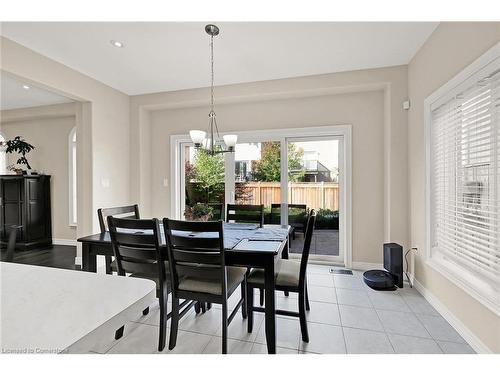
(57, 256)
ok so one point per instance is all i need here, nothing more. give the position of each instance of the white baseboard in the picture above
(456, 323)
(364, 266)
(62, 241)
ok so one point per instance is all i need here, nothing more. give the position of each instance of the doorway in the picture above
(309, 168)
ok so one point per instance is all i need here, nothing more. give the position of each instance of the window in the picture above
(3, 156)
(464, 176)
(72, 178)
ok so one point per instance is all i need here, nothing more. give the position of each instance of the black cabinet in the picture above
(25, 201)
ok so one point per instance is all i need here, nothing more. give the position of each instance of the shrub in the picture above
(199, 212)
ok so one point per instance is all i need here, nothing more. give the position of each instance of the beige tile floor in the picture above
(346, 317)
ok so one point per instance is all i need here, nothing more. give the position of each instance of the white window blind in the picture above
(465, 180)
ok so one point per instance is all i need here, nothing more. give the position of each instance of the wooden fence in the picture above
(314, 194)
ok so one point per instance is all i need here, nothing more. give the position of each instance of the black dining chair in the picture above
(290, 277)
(297, 217)
(124, 212)
(136, 246)
(198, 270)
(217, 211)
(11, 245)
(245, 213)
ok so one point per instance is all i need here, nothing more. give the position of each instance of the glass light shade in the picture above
(197, 136)
(230, 140)
(207, 143)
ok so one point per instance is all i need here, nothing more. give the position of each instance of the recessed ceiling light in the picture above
(26, 87)
(117, 43)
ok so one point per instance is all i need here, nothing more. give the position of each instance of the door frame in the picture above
(345, 164)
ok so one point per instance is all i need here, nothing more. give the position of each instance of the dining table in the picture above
(245, 245)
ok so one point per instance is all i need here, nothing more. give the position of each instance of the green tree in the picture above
(268, 168)
(208, 173)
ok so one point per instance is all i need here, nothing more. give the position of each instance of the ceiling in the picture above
(13, 95)
(166, 56)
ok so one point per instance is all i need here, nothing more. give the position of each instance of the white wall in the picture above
(102, 118)
(370, 100)
(47, 128)
(449, 49)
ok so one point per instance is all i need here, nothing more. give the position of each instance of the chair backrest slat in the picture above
(199, 243)
(245, 213)
(200, 272)
(123, 212)
(218, 211)
(139, 267)
(195, 249)
(196, 256)
(136, 246)
(143, 253)
(311, 220)
(292, 219)
(137, 239)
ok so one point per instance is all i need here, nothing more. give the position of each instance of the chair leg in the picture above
(163, 322)
(302, 315)
(108, 261)
(261, 296)
(307, 299)
(224, 327)
(244, 296)
(145, 311)
(203, 307)
(249, 308)
(174, 323)
(197, 307)
(119, 333)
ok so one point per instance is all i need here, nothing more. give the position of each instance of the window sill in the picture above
(465, 283)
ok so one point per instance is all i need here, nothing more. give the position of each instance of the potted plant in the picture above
(198, 212)
(22, 147)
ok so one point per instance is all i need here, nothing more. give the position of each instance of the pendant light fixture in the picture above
(212, 144)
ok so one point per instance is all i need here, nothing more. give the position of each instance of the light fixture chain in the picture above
(212, 70)
(209, 145)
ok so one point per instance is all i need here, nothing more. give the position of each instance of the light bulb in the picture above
(230, 141)
(197, 136)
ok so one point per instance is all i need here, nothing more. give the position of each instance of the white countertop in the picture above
(48, 309)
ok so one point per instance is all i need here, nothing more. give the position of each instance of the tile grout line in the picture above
(381, 324)
(340, 316)
(420, 321)
(432, 337)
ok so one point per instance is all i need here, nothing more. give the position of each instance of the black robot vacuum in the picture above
(392, 276)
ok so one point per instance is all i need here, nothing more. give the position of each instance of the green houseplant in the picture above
(198, 212)
(20, 146)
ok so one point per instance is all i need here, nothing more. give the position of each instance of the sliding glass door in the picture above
(306, 172)
(203, 184)
(313, 183)
(258, 176)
